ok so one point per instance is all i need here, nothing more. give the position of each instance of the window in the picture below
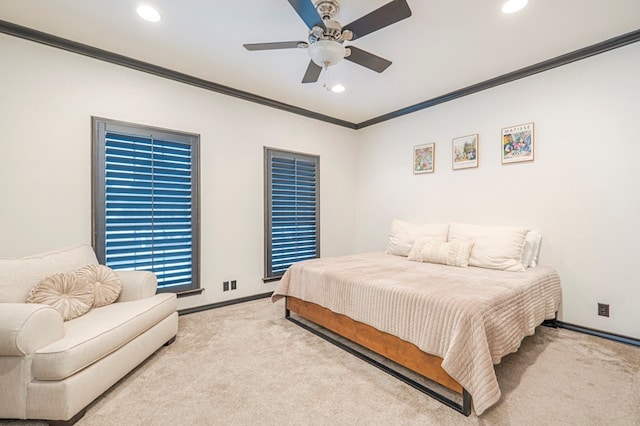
(292, 231)
(145, 198)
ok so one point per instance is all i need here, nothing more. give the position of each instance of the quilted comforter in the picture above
(470, 317)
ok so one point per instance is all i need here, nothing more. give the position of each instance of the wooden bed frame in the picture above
(391, 347)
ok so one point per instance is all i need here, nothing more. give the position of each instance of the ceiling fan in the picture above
(326, 36)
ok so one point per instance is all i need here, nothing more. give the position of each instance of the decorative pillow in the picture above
(106, 284)
(494, 247)
(531, 249)
(415, 253)
(453, 253)
(404, 234)
(69, 294)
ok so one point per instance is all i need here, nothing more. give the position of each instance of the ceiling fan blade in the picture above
(312, 74)
(368, 60)
(390, 13)
(307, 11)
(274, 45)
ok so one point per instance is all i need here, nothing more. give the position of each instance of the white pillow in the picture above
(452, 253)
(536, 253)
(495, 247)
(404, 234)
(531, 249)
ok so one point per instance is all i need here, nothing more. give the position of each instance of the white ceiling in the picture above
(444, 46)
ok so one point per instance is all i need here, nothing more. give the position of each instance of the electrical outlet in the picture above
(234, 285)
(603, 309)
(225, 286)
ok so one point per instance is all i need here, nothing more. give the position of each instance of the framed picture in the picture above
(423, 158)
(517, 143)
(465, 152)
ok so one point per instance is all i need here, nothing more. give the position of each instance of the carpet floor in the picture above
(246, 365)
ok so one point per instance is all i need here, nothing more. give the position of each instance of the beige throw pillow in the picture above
(453, 253)
(69, 294)
(106, 284)
(415, 253)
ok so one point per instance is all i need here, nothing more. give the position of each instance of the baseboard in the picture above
(560, 324)
(603, 334)
(195, 309)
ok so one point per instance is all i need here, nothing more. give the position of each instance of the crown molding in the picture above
(125, 61)
(576, 55)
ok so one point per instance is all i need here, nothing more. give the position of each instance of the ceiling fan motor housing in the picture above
(333, 32)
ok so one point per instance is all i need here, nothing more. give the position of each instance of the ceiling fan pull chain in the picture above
(327, 78)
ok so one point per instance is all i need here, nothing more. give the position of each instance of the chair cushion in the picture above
(19, 275)
(98, 333)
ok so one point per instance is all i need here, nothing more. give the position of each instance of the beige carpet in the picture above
(246, 365)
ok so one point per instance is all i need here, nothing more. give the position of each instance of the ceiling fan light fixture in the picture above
(512, 6)
(338, 88)
(148, 13)
(326, 53)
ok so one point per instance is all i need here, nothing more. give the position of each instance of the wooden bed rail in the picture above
(391, 347)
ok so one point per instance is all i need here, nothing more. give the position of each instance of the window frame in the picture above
(268, 213)
(100, 127)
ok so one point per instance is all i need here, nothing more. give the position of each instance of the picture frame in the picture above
(517, 143)
(424, 157)
(465, 152)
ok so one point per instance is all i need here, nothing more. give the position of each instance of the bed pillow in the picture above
(106, 284)
(452, 253)
(494, 247)
(531, 249)
(69, 294)
(404, 234)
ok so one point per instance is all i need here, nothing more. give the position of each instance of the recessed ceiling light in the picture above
(338, 88)
(148, 13)
(513, 6)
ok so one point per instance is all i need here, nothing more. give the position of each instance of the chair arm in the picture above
(136, 285)
(27, 327)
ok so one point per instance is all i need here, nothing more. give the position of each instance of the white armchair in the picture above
(51, 369)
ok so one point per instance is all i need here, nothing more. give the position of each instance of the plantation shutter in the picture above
(149, 205)
(292, 210)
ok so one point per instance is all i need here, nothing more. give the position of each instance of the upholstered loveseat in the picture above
(51, 369)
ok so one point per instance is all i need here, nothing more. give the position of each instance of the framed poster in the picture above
(517, 143)
(465, 152)
(424, 158)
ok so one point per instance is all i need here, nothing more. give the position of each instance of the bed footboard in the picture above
(391, 347)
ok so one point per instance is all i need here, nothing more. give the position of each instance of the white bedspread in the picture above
(470, 317)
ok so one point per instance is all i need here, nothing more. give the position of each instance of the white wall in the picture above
(47, 98)
(581, 190)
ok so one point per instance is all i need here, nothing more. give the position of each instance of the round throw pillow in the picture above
(106, 284)
(69, 294)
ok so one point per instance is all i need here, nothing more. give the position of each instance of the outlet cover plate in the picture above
(603, 309)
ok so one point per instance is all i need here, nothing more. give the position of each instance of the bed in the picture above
(449, 324)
